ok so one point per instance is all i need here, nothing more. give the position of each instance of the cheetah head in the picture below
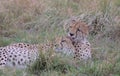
(64, 45)
(77, 30)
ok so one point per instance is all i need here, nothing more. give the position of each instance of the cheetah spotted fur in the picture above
(78, 32)
(20, 55)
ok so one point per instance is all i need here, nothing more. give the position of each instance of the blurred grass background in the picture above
(36, 21)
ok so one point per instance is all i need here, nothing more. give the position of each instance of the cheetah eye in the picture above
(63, 41)
(56, 45)
(73, 21)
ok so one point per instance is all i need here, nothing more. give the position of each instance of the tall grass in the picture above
(36, 21)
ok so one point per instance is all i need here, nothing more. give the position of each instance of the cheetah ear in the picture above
(73, 21)
(84, 28)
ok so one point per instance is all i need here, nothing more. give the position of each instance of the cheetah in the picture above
(64, 45)
(20, 55)
(78, 32)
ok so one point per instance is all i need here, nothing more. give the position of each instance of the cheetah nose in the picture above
(71, 34)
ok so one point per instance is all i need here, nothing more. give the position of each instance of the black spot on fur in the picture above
(21, 59)
(15, 55)
(10, 56)
(77, 50)
(74, 57)
(9, 59)
(2, 59)
(28, 57)
(4, 55)
(14, 59)
(19, 62)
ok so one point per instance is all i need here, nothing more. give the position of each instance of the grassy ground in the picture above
(36, 21)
